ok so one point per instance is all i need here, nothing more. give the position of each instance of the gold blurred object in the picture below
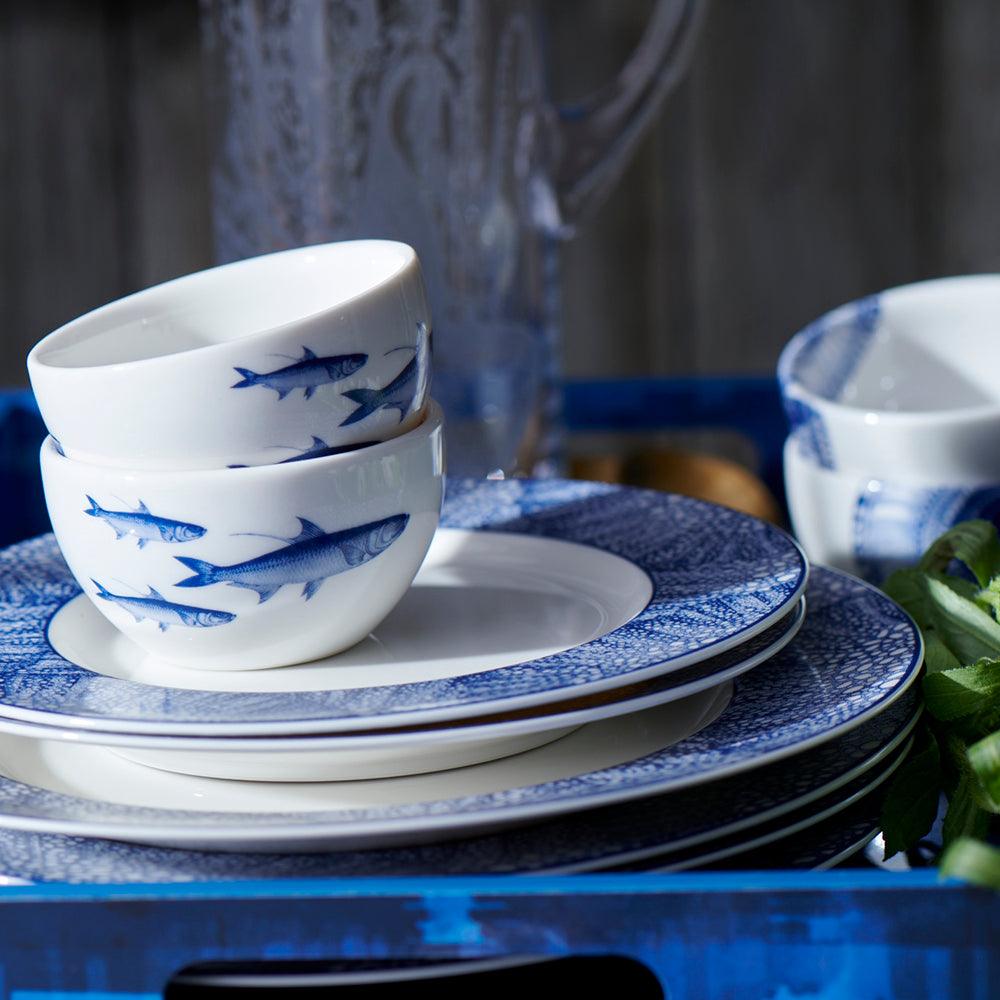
(692, 474)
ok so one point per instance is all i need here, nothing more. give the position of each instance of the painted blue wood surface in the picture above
(848, 934)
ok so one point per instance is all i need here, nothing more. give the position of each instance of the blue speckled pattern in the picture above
(856, 655)
(597, 838)
(895, 523)
(719, 577)
(823, 357)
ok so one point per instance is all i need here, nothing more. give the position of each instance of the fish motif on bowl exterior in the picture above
(155, 607)
(307, 373)
(144, 526)
(310, 557)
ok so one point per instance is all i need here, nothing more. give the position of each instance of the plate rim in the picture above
(903, 731)
(806, 823)
(388, 739)
(554, 494)
(326, 833)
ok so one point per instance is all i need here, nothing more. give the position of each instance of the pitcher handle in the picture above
(597, 136)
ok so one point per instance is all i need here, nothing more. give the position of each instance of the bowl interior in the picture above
(224, 303)
(926, 347)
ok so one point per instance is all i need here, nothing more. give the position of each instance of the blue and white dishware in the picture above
(413, 750)
(902, 385)
(857, 655)
(869, 525)
(266, 360)
(240, 569)
(534, 592)
(700, 821)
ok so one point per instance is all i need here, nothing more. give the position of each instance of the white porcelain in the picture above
(252, 363)
(256, 567)
(902, 385)
(535, 592)
(411, 750)
(96, 774)
(345, 763)
(869, 525)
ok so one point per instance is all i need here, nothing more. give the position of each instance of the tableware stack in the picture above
(895, 410)
(244, 469)
(245, 472)
(582, 677)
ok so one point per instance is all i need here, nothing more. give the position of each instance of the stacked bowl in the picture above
(537, 676)
(194, 424)
(894, 408)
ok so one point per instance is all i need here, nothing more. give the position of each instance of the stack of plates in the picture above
(582, 677)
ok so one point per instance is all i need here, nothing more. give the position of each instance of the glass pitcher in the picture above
(428, 121)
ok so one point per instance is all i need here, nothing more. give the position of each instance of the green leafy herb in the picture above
(984, 757)
(911, 803)
(959, 754)
(972, 861)
(972, 543)
(956, 692)
(965, 628)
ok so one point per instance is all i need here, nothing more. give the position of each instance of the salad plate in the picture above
(391, 753)
(533, 592)
(856, 654)
(618, 834)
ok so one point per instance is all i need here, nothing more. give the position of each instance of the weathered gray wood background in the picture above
(818, 150)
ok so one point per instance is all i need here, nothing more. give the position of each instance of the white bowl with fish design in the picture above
(241, 569)
(903, 384)
(285, 356)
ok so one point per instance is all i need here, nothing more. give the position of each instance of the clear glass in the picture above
(428, 121)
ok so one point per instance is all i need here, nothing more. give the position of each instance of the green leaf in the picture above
(954, 693)
(969, 632)
(989, 598)
(964, 817)
(911, 804)
(908, 588)
(984, 757)
(937, 656)
(972, 861)
(972, 543)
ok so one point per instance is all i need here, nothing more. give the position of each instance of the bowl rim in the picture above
(791, 388)
(432, 422)
(37, 363)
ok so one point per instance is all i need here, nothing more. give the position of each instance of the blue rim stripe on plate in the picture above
(719, 577)
(608, 835)
(856, 655)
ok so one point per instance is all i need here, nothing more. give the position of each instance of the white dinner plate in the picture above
(699, 817)
(533, 592)
(393, 753)
(856, 655)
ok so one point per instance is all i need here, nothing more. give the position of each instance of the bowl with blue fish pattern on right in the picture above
(289, 355)
(252, 567)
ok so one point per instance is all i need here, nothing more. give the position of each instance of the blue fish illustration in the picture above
(310, 557)
(143, 526)
(308, 373)
(319, 449)
(155, 607)
(398, 394)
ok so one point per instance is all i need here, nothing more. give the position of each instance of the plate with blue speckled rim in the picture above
(534, 592)
(721, 813)
(856, 655)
